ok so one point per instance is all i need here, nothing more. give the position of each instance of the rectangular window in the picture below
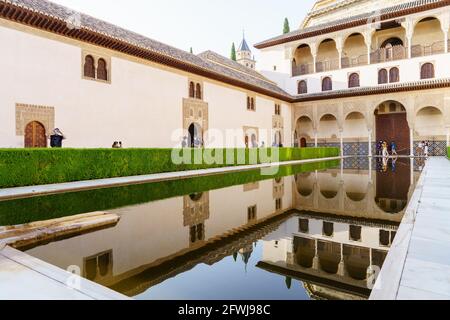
(278, 204)
(251, 214)
(303, 225)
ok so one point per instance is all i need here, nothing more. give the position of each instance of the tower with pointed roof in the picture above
(244, 55)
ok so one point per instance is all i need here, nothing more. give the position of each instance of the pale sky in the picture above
(201, 24)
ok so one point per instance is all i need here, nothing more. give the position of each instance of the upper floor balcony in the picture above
(389, 41)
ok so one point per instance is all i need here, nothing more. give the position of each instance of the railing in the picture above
(389, 54)
(428, 50)
(302, 69)
(327, 65)
(348, 62)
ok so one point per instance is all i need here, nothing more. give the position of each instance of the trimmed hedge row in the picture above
(448, 152)
(28, 210)
(26, 167)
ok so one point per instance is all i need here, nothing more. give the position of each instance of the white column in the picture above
(446, 40)
(316, 143)
(342, 143)
(370, 171)
(411, 133)
(314, 63)
(370, 143)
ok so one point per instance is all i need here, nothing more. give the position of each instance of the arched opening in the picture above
(278, 142)
(392, 187)
(355, 51)
(191, 90)
(305, 184)
(254, 141)
(327, 84)
(385, 47)
(430, 126)
(35, 135)
(427, 71)
(303, 62)
(198, 91)
(195, 136)
(428, 38)
(328, 131)
(329, 256)
(329, 185)
(305, 251)
(357, 261)
(196, 196)
(303, 143)
(327, 56)
(356, 189)
(89, 67)
(302, 87)
(355, 134)
(305, 131)
(353, 80)
(102, 70)
(382, 76)
(394, 75)
(392, 125)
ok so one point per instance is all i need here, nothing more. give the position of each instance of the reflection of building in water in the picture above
(196, 212)
(360, 192)
(158, 240)
(334, 257)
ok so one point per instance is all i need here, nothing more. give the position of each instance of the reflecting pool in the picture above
(316, 231)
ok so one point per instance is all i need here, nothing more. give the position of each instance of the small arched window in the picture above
(327, 84)
(198, 91)
(427, 71)
(89, 67)
(191, 90)
(394, 75)
(302, 87)
(382, 76)
(353, 80)
(102, 72)
(253, 104)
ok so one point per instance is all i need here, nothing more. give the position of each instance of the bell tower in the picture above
(244, 55)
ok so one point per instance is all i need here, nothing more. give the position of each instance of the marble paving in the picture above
(418, 265)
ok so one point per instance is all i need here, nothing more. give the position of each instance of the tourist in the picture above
(420, 147)
(120, 144)
(426, 148)
(115, 145)
(379, 148)
(56, 138)
(263, 144)
(184, 143)
(385, 150)
(394, 148)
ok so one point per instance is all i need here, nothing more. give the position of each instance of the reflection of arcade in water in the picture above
(358, 189)
(159, 240)
(334, 258)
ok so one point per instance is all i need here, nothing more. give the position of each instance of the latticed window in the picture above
(353, 80)
(89, 67)
(198, 91)
(394, 75)
(252, 104)
(427, 71)
(327, 84)
(191, 90)
(355, 233)
(249, 103)
(382, 76)
(302, 87)
(303, 225)
(102, 72)
(385, 238)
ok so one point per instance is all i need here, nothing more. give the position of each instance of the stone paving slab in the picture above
(32, 191)
(418, 265)
(23, 277)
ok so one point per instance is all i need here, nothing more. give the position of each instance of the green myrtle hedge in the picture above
(26, 167)
(448, 152)
(20, 211)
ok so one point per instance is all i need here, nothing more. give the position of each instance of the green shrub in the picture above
(26, 167)
(448, 152)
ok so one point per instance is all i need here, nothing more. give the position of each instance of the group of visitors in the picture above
(117, 145)
(196, 143)
(383, 148)
(423, 149)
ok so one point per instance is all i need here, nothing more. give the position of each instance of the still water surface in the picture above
(312, 232)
